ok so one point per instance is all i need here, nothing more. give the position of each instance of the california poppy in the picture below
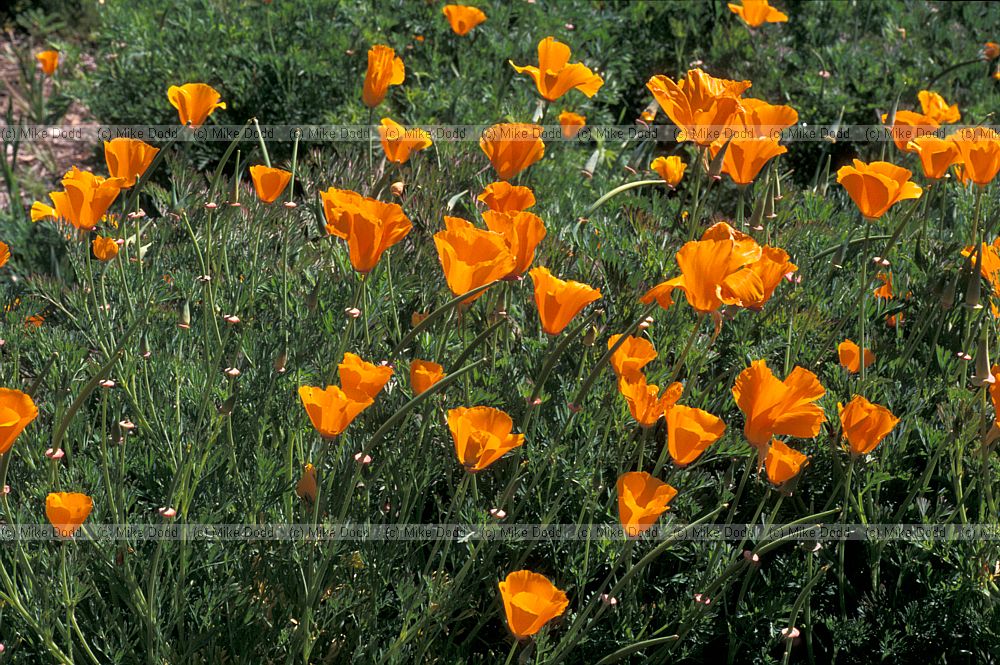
(745, 158)
(756, 13)
(908, 125)
(641, 500)
(554, 76)
(628, 359)
(935, 108)
(512, 147)
(307, 488)
(671, 169)
(4, 254)
(482, 435)
(268, 182)
(105, 249)
(522, 231)
(559, 300)
(773, 266)
(773, 407)
(530, 601)
(979, 152)
(330, 409)
(991, 51)
(644, 400)
(17, 410)
(471, 257)
(385, 68)
(360, 379)
(505, 197)
(935, 154)
(398, 142)
(571, 124)
(783, 463)
(700, 105)
(994, 389)
(424, 374)
(49, 61)
(67, 511)
(369, 226)
(128, 159)
(877, 186)
(83, 202)
(463, 18)
(761, 119)
(194, 102)
(884, 292)
(988, 261)
(849, 354)
(865, 424)
(690, 432)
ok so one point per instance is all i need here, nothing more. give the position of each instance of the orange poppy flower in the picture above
(512, 147)
(471, 257)
(105, 249)
(307, 488)
(530, 601)
(384, 69)
(979, 152)
(645, 402)
(991, 51)
(571, 124)
(128, 159)
(330, 409)
(17, 410)
(424, 374)
(641, 500)
(628, 359)
(773, 266)
(482, 435)
(865, 424)
(671, 169)
(505, 197)
(907, 126)
(989, 263)
(935, 108)
(700, 105)
(554, 76)
(877, 186)
(559, 300)
(522, 231)
(783, 463)
(994, 389)
(369, 226)
(746, 157)
(194, 102)
(849, 354)
(884, 292)
(762, 119)
(463, 18)
(269, 183)
(756, 13)
(49, 60)
(712, 272)
(84, 201)
(4, 254)
(398, 142)
(361, 380)
(67, 511)
(690, 432)
(774, 407)
(935, 154)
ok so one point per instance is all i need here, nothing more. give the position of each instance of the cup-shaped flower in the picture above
(522, 231)
(502, 196)
(67, 511)
(84, 201)
(644, 400)
(761, 119)
(399, 143)
(877, 186)
(937, 109)
(385, 68)
(979, 152)
(865, 424)
(559, 300)
(330, 409)
(105, 249)
(17, 410)
(628, 359)
(482, 435)
(936, 155)
(471, 257)
(128, 159)
(745, 158)
(783, 462)
(690, 432)
(773, 407)
(512, 147)
(571, 124)
(884, 292)
(909, 125)
(369, 226)
(990, 51)
(49, 61)
(268, 182)
(641, 500)
(4, 254)
(700, 105)
(307, 487)
(555, 76)
(463, 18)
(361, 380)
(424, 374)
(773, 266)
(194, 102)
(671, 169)
(530, 601)
(756, 13)
(850, 355)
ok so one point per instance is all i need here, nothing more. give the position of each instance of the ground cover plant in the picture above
(610, 340)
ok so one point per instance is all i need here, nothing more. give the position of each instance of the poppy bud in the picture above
(184, 321)
(769, 202)
(758, 211)
(227, 407)
(280, 362)
(591, 165)
(397, 188)
(974, 290)
(715, 166)
(590, 337)
(948, 297)
(312, 300)
(983, 375)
